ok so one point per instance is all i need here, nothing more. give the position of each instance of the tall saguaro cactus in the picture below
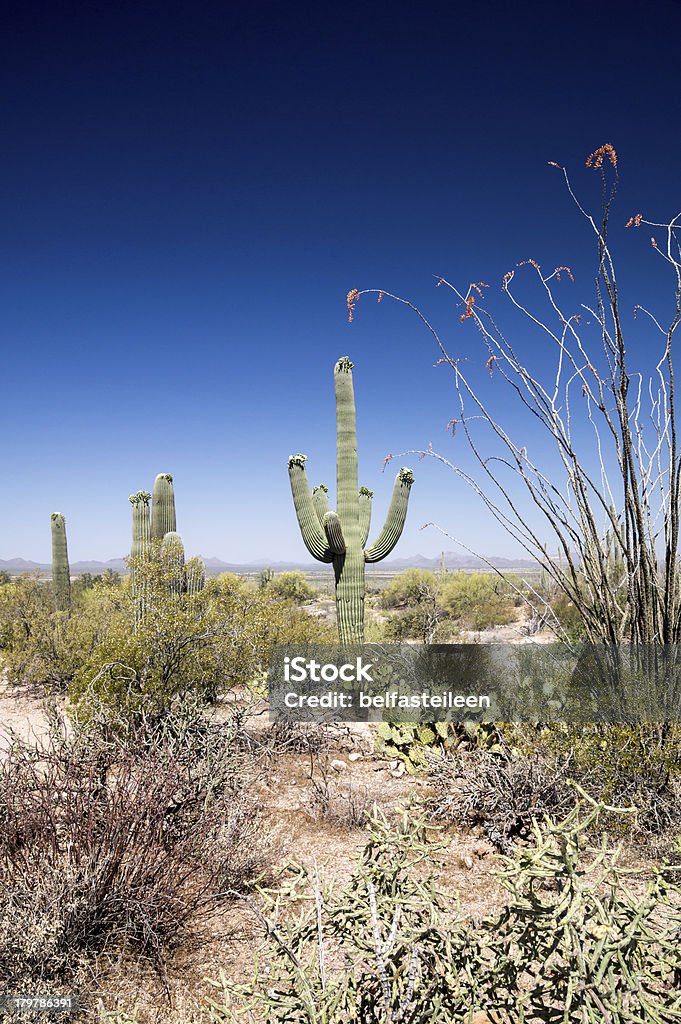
(141, 530)
(340, 537)
(61, 573)
(163, 519)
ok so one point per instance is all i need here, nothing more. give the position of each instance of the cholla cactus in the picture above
(61, 573)
(340, 537)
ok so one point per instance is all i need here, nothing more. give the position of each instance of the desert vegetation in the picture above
(166, 853)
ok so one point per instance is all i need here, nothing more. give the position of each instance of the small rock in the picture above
(337, 765)
(354, 756)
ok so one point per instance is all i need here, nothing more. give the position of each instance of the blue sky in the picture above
(189, 193)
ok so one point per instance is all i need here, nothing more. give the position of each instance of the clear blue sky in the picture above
(188, 192)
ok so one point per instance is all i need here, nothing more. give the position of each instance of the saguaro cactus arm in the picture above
(365, 496)
(313, 535)
(334, 532)
(320, 500)
(346, 447)
(397, 513)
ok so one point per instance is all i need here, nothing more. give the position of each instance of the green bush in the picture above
(477, 600)
(636, 766)
(206, 643)
(292, 586)
(43, 646)
(569, 617)
(409, 589)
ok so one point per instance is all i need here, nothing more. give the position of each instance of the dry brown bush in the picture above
(119, 844)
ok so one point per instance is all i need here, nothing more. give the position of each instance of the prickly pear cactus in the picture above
(409, 741)
(340, 537)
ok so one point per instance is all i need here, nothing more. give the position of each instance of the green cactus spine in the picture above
(340, 537)
(61, 573)
(163, 519)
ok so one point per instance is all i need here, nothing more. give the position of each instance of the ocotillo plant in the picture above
(61, 573)
(163, 519)
(340, 537)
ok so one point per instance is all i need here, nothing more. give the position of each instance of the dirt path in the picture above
(20, 713)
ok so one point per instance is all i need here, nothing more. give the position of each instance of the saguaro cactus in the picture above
(163, 519)
(61, 573)
(172, 555)
(141, 530)
(340, 537)
(195, 574)
(141, 525)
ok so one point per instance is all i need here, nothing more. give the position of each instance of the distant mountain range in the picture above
(214, 566)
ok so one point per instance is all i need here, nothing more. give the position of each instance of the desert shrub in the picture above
(408, 589)
(43, 646)
(207, 643)
(333, 798)
(292, 586)
(499, 792)
(477, 600)
(119, 845)
(577, 940)
(569, 618)
(528, 770)
(629, 765)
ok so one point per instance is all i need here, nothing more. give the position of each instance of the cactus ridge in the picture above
(340, 537)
